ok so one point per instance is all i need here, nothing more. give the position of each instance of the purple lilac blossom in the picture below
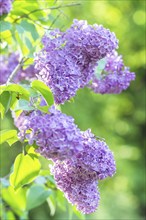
(67, 61)
(5, 6)
(78, 184)
(79, 159)
(114, 78)
(55, 134)
(96, 156)
(9, 63)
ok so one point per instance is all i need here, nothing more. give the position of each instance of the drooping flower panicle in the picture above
(68, 58)
(78, 184)
(55, 134)
(79, 159)
(96, 156)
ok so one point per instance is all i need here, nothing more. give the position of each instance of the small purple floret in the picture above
(5, 6)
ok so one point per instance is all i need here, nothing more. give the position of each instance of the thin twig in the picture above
(53, 22)
(50, 8)
(15, 71)
(54, 7)
(35, 22)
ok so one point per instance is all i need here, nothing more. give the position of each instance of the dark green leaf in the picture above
(36, 195)
(5, 99)
(2, 111)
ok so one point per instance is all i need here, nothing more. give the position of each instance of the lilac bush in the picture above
(67, 63)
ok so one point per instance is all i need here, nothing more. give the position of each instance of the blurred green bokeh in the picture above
(120, 119)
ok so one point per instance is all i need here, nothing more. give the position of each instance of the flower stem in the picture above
(15, 71)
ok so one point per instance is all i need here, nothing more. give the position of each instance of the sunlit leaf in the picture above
(44, 90)
(26, 169)
(18, 89)
(43, 108)
(6, 135)
(15, 199)
(13, 140)
(10, 215)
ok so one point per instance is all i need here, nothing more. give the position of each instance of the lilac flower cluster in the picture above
(78, 176)
(78, 184)
(55, 134)
(5, 6)
(79, 159)
(96, 156)
(8, 64)
(67, 61)
(114, 78)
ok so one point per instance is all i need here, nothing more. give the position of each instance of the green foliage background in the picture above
(120, 119)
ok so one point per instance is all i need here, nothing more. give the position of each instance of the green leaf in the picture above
(44, 90)
(28, 43)
(5, 25)
(27, 26)
(52, 205)
(18, 89)
(20, 29)
(16, 200)
(2, 88)
(43, 108)
(26, 169)
(101, 65)
(78, 214)
(6, 98)
(6, 135)
(23, 104)
(2, 111)
(13, 140)
(10, 215)
(36, 195)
